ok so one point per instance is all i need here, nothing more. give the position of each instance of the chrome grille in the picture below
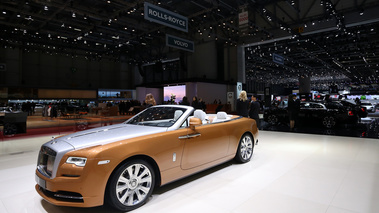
(46, 161)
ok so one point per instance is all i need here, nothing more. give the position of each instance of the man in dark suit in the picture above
(254, 110)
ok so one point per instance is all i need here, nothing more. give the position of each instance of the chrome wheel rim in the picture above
(134, 184)
(329, 122)
(246, 148)
(272, 119)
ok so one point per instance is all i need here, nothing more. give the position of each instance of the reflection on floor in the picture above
(289, 172)
(367, 128)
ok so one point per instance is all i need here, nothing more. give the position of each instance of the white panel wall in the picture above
(207, 91)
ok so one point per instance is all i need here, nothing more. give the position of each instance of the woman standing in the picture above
(149, 100)
(243, 104)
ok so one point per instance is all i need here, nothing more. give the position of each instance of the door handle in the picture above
(189, 136)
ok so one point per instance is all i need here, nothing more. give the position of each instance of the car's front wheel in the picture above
(245, 149)
(131, 185)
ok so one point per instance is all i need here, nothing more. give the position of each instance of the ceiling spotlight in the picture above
(4, 12)
(46, 8)
(73, 14)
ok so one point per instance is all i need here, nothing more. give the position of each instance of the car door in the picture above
(204, 144)
(318, 111)
(304, 111)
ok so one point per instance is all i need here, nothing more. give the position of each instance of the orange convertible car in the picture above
(121, 164)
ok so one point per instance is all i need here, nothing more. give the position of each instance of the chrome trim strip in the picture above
(68, 197)
(189, 136)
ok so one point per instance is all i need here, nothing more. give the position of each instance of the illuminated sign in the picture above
(243, 18)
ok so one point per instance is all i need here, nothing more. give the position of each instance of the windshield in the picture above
(157, 116)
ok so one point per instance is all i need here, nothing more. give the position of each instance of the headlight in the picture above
(78, 161)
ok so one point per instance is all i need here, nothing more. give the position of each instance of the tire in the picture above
(245, 149)
(329, 122)
(272, 119)
(131, 185)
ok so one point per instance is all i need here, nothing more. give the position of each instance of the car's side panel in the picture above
(176, 173)
(235, 129)
(209, 145)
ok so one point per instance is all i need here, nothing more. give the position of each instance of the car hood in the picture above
(107, 134)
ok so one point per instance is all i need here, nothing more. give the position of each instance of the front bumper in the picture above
(71, 191)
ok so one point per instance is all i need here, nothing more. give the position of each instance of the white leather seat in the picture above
(221, 116)
(201, 115)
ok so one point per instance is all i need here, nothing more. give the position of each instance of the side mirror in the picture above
(194, 122)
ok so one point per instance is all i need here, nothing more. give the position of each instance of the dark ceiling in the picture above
(328, 40)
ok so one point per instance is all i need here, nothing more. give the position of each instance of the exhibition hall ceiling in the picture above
(328, 40)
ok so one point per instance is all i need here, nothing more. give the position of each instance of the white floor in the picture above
(289, 172)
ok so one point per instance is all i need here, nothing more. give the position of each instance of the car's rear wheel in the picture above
(131, 185)
(329, 122)
(245, 149)
(272, 119)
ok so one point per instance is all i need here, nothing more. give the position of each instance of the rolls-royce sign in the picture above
(179, 43)
(162, 16)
